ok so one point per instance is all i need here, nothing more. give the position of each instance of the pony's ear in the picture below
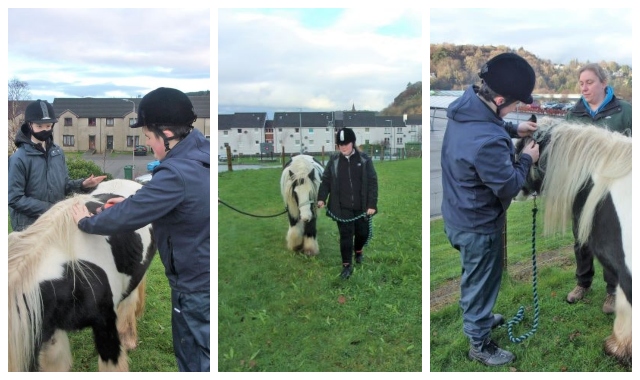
(533, 118)
(291, 174)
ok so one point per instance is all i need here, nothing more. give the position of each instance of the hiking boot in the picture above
(609, 306)
(577, 294)
(498, 320)
(359, 257)
(346, 272)
(488, 353)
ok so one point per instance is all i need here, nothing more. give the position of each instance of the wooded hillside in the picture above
(407, 102)
(455, 67)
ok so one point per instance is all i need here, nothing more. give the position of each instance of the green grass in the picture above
(283, 311)
(155, 344)
(568, 338)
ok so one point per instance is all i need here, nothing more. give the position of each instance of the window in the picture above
(130, 141)
(110, 122)
(257, 142)
(387, 130)
(366, 130)
(399, 130)
(279, 129)
(310, 142)
(268, 130)
(399, 141)
(92, 121)
(133, 120)
(68, 140)
(297, 130)
(239, 130)
(68, 122)
(310, 131)
(328, 141)
(366, 142)
(297, 142)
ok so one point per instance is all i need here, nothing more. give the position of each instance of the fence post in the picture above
(229, 158)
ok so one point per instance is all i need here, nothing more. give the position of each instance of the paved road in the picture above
(115, 165)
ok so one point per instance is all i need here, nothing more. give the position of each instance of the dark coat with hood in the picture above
(615, 115)
(480, 174)
(333, 184)
(37, 179)
(176, 203)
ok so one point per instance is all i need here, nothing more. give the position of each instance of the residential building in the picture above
(99, 124)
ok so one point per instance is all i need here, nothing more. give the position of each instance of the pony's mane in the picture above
(27, 248)
(575, 154)
(55, 228)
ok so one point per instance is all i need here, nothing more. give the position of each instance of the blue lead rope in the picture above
(520, 315)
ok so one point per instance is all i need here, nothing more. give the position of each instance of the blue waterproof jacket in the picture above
(480, 175)
(176, 203)
(37, 180)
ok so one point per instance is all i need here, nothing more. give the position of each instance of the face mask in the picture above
(42, 135)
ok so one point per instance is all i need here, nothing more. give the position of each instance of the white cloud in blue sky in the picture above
(316, 59)
(76, 52)
(555, 34)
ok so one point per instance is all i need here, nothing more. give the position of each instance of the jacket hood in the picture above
(22, 137)
(193, 147)
(470, 108)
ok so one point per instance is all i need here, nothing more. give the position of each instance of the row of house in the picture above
(101, 124)
(251, 133)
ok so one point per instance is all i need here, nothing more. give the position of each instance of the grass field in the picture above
(282, 311)
(568, 338)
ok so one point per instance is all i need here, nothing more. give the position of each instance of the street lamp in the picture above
(133, 152)
(300, 127)
(391, 125)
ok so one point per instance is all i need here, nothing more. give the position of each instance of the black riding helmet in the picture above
(165, 107)
(345, 136)
(40, 112)
(511, 76)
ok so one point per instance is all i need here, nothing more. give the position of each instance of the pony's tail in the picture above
(25, 321)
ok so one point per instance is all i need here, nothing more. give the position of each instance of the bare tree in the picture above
(18, 91)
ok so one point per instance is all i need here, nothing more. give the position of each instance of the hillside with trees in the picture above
(409, 102)
(455, 67)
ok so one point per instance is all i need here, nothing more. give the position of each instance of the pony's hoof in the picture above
(621, 352)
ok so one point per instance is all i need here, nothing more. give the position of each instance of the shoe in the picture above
(609, 306)
(488, 353)
(498, 320)
(359, 257)
(346, 272)
(577, 294)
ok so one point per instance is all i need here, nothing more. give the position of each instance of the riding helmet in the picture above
(165, 107)
(40, 112)
(345, 136)
(510, 75)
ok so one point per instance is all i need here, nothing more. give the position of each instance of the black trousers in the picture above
(190, 324)
(585, 270)
(353, 235)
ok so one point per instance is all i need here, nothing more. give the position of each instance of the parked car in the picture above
(140, 150)
(143, 179)
(152, 165)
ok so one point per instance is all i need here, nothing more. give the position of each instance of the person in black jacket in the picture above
(38, 173)
(352, 181)
(176, 203)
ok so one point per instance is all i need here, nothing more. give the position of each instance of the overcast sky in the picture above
(109, 52)
(555, 34)
(316, 59)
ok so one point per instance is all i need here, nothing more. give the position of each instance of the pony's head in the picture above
(299, 183)
(542, 137)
